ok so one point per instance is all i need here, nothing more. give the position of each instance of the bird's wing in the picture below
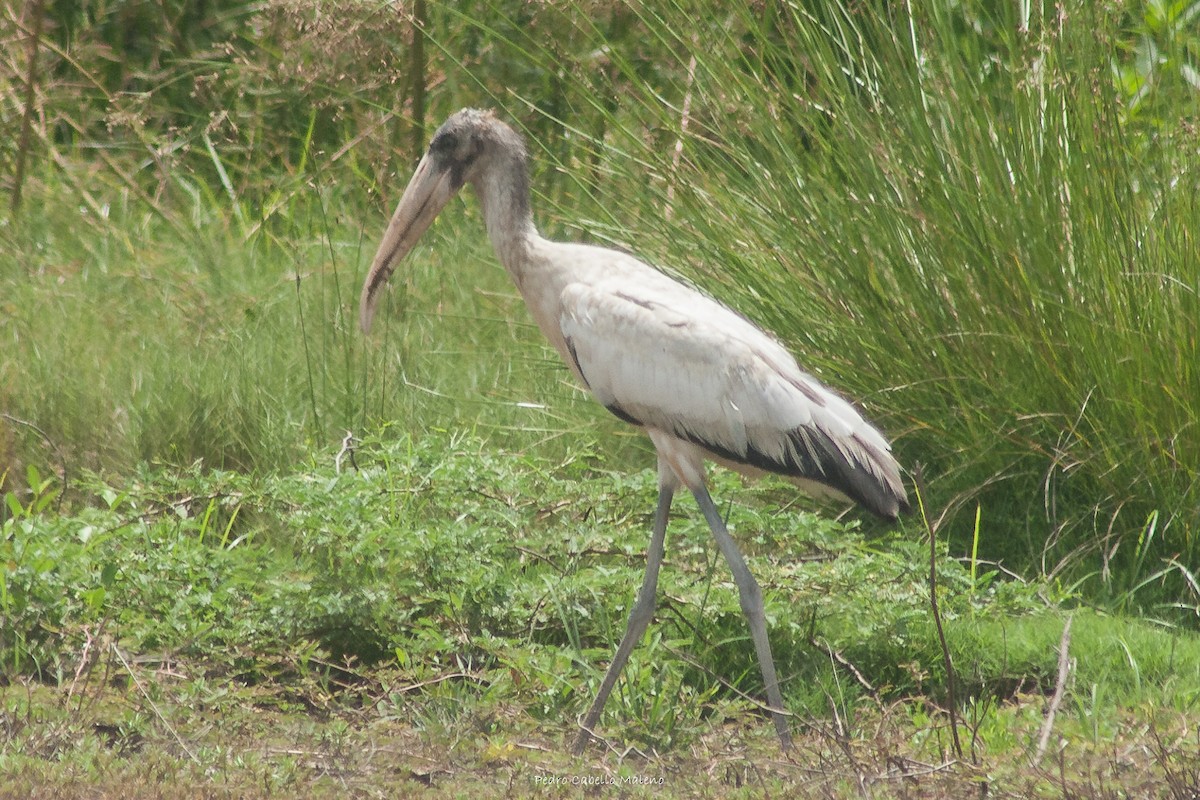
(666, 357)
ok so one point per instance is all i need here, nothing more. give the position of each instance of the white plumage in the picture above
(669, 358)
(704, 382)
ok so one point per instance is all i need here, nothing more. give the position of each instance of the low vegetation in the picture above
(433, 611)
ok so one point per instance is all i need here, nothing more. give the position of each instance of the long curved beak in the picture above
(428, 191)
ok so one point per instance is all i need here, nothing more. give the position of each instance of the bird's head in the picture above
(461, 151)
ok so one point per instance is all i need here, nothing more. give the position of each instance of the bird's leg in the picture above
(752, 607)
(639, 615)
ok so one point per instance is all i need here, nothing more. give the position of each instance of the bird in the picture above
(702, 381)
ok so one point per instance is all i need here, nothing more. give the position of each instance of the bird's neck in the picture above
(503, 194)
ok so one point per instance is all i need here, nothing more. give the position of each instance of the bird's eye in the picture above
(446, 143)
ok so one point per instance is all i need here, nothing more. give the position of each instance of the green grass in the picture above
(133, 345)
(459, 601)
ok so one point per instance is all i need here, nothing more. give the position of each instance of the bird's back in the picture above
(662, 355)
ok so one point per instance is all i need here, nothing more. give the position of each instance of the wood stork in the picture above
(701, 380)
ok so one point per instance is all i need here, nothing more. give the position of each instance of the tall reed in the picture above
(954, 214)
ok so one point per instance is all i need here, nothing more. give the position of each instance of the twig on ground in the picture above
(1060, 689)
(146, 695)
(439, 679)
(348, 442)
(844, 663)
(87, 660)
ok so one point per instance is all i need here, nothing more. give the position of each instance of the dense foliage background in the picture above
(978, 218)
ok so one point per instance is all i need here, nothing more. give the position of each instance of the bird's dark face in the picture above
(457, 146)
(455, 156)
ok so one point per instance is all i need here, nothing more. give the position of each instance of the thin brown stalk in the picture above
(417, 76)
(35, 9)
(951, 698)
(684, 120)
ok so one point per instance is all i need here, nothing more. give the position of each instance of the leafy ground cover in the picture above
(434, 614)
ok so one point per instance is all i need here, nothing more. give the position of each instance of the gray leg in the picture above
(639, 616)
(752, 607)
